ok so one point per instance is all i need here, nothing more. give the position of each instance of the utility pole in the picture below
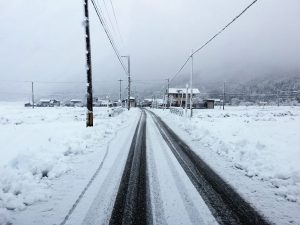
(168, 92)
(186, 99)
(32, 94)
(120, 90)
(89, 103)
(164, 100)
(223, 95)
(192, 73)
(129, 80)
(278, 98)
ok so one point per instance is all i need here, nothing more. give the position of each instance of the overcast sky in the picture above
(44, 40)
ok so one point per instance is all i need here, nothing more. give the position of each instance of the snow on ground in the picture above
(262, 142)
(37, 145)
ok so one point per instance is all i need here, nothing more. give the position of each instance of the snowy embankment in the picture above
(37, 145)
(262, 142)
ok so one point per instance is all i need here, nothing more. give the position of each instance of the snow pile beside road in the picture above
(38, 146)
(262, 142)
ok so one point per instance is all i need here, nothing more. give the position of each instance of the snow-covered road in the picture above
(160, 184)
(174, 198)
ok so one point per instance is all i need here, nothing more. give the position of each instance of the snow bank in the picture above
(262, 142)
(38, 146)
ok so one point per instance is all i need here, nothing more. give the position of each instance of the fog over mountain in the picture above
(44, 41)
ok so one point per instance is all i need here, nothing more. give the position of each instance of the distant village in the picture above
(80, 103)
(174, 97)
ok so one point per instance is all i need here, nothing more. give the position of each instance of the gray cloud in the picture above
(44, 40)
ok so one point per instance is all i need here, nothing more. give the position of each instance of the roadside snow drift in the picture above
(37, 145)
(262, 142)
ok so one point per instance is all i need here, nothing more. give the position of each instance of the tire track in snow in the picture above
(180, 199)
(131, 206)
(158, 213)
(95, 178)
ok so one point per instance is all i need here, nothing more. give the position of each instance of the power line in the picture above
(109, 36)
(103, 18)
(116, 20)
(51, 82)
(108, 15)
(211, 39)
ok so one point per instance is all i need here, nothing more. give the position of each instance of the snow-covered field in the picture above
(262, 143)
(47, 156)
(40, 145)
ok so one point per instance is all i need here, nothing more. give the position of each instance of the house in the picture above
(132, 102)
(48, 103)
(55, 102)
(157, 103)
(147, 102)
(76, 103)
(206, 103)
(177, 96)
(209, 103)
(44, 103)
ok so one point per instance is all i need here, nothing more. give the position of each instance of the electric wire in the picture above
(116, 20)
(108, 15)
(211, 39)
(105, 21)
(109, 36)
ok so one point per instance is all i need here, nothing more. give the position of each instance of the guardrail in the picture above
(177, 110)
(112, 111)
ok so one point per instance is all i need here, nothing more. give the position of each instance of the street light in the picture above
(128, 70)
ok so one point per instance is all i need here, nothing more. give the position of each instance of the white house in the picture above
(177, 96)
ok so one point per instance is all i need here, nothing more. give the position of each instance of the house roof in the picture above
(45, 100)
(212, 99)
(179, 90)
(75, 100)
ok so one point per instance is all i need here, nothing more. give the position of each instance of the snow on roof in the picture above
(75, 100)
(179, 90)
(45, 100)
(104, 101)
(212, 99)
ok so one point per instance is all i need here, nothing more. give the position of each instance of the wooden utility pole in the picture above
(191, 83)
(120, 90)
(32, 94)
(186, 98)
(223, 95)
(277, 98)
(89, 104)
(129, 82)
(168, 92)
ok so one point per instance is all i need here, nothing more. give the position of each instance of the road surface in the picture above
(158, 179)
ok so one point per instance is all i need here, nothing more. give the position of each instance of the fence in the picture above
(177, 110)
